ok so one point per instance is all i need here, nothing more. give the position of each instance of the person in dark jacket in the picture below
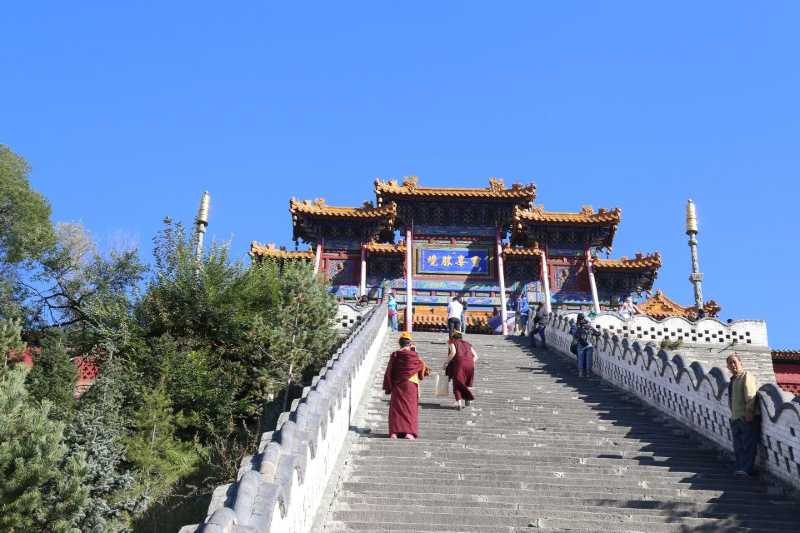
(582, 333)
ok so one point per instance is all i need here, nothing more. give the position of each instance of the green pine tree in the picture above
(98, 433)
(40, 490)
(160, 459)
(53, 376)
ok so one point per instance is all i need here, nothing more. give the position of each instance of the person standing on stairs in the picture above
(538, 326)
(745, 417)
(460, 368)
(403, 374)
(454, 312)
(582, 334)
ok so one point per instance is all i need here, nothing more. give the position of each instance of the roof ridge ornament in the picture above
(587, 210)
(496, 184)
(410, 182)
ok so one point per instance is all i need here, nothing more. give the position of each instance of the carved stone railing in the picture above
(691, 394)
(281, 487)
(706, 331)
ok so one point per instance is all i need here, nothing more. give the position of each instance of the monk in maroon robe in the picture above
(460, 368)
(403, 374)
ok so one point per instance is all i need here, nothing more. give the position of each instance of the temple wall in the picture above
(690, 392)
(281, 488)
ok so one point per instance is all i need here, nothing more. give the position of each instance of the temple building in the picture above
(491, 245)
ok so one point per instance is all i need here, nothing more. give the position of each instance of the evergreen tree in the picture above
(10, 341)
(40, 490)
(159, 458)
(97, 433)
(53, 376)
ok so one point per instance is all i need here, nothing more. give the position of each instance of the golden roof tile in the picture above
(531, 251)
(639, 262)
(386, 248)
(258, 250)
(496, 190)
(660, 307)
(318, 207)
(586, 216)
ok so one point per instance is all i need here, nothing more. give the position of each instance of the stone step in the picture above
(602, 522)
(605, 512)
(539, 450)
(781, 510)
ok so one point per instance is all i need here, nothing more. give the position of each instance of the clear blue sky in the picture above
(127, 111)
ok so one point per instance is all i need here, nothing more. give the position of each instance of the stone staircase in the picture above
(539, 450)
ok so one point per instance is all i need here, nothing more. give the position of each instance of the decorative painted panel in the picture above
(463, 261)
(341, 271)
(451, 231)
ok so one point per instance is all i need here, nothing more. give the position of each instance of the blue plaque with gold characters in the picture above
(452, 261)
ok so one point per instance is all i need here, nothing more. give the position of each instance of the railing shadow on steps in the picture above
(739, 503)
(280, 488)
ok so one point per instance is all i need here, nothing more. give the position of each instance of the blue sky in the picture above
(127, 111)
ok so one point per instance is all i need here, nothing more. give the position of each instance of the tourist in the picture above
(523, 309)
(455, 312)
(463, 313)
(460, 368)
(403, 374)
(391, 304)
(628, 309)
(495, 322)
(538, 326)
(745, 417)
(581, 332)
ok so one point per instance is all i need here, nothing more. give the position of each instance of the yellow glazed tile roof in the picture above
(386, 248)
(586, 216)
(318, 207)
(522, 252)
(496, 190)
(270, 250)
(639, 262)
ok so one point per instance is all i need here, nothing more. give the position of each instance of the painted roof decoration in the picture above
(789, 356)
(495, 191)
(586, 216)
(318, 207)
(258, 250)
(386, 248)
(530, 251)
(660, 307)
(650, 261)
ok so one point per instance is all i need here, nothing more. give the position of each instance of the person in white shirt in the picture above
(454, 312)
(628, 309)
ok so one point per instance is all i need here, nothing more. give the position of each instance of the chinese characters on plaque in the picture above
(452, 261)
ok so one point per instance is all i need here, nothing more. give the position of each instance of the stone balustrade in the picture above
(280, 488)
(687, 390)
(708, 331)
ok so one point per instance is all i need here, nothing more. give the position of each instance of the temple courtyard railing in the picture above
(281, 487)
(691, 392)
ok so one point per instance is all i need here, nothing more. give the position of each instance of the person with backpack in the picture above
(582, 337)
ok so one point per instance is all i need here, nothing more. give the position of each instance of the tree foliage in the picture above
(25, 229)
(191, 349)
(40, 488)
